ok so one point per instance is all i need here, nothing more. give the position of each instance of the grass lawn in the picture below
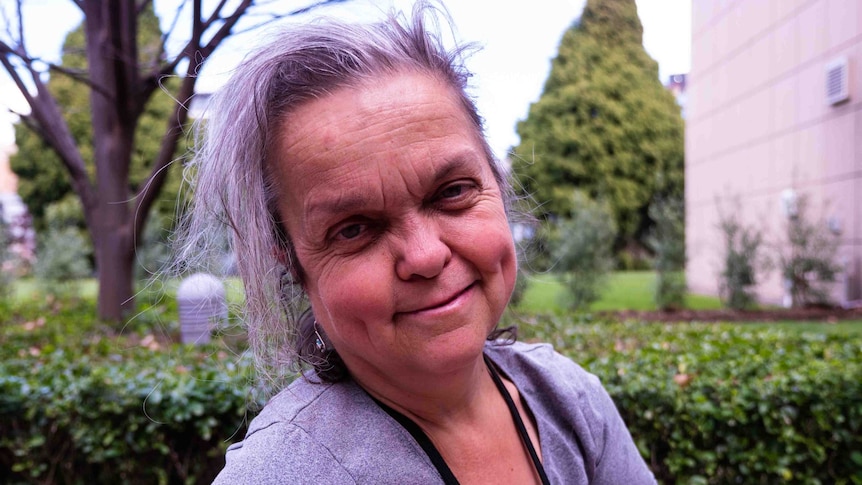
(88, 288)
(26, 288)
(624, 290)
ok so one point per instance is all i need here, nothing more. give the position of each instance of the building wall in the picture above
(758, 125)
(8, 180)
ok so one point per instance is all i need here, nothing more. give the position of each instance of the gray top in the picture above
(335, 433)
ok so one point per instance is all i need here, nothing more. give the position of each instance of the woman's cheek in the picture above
(353, 291)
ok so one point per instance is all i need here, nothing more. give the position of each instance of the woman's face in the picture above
(398, 224)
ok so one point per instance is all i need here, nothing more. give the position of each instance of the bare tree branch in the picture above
(20, 14)
(216, 14)
(5, 51)
(46, 119)
(174, 22)
(274, 17)
(158, 175)
(192, 50)
(224, 30)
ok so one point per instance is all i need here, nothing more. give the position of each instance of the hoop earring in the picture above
(319, 344)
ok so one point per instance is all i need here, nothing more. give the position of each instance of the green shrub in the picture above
(62, 259)
(583, 250)
(742, 262)
(5, 259)
(808, 258)
(667, 240)
(719, 403)
(79, 404)
(633, 258)
(521, 282)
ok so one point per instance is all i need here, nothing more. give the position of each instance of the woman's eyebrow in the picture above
(460, 163)
(324, 207)
(463, 162)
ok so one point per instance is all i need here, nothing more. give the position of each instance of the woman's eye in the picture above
(452, 191)
(350, 232)
(455, 190)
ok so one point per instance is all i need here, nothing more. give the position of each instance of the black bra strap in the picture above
(519, 423)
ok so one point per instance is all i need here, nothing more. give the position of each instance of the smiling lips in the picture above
(441, 304)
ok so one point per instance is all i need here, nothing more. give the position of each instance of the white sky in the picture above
(517, 43)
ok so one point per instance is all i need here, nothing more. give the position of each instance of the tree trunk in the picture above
(111, 50)
(114, 261)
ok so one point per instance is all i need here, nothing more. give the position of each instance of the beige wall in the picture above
(758, 123)
(8, 181)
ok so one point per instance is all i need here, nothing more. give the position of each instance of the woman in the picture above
(360, 192)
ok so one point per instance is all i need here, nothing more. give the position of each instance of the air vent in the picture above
(837, 85)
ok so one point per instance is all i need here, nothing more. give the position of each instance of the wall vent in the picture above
(837, 82)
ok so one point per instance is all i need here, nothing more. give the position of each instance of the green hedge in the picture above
(79, 404)
(720, 403)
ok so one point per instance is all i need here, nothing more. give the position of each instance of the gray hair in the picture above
(233, 192)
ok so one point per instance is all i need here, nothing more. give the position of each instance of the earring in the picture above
(319, 344)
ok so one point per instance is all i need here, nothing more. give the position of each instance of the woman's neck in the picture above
(468, 421)
(434, 402)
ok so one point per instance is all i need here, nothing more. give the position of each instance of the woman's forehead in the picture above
(410, 115)
(360, 146)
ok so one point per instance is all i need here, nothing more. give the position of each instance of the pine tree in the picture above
(604, 124)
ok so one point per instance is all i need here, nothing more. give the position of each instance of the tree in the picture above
(120, 87)
(582, 250)
(42, 181)
(604, 124)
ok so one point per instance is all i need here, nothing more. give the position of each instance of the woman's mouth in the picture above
(443, 305)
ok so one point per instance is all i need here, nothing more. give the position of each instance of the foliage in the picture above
(521, 282)
(808, 258)
(154, 251)
(719, 403)
(63, 252)
(604, 124)
(667, 240)
(5, 259)
(583, 251)
(62, 260)
(42, 179)
(633, 257)
(82, 404)
(742, 262)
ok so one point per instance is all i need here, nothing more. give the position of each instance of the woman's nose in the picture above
(422, 253)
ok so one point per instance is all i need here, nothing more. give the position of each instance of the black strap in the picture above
(434, 455)
(519, 423)
(424, 441)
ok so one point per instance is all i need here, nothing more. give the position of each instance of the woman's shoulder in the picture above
(305, 398)
(579, 425)
(282, 441)
(314, 433)
(540, 360)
